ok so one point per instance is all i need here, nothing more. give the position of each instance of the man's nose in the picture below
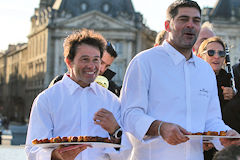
(190, 24)
(91, 65)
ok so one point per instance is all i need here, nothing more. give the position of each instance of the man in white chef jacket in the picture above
(168, 92)
(76, 105)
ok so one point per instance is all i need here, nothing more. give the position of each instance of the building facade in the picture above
(225, 17)
(13, 81)
(29, 68)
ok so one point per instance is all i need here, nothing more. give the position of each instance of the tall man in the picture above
(76, 106)
(171, 101)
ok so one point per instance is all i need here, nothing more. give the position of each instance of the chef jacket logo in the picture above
(203, 92)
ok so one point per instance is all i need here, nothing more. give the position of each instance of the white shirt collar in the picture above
(175, 55)
(73, 86)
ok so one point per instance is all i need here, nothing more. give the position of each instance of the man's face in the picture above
(204, 34)
(184, 28)
(85, 66)
(106, 62)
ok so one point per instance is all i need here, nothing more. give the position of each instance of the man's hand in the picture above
(229, 141)
(106, 120)
(69, 152)
(173, 133)
(228, 93)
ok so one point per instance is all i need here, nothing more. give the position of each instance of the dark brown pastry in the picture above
(198, 133)
(80, 139)
(56, 140)
(222, 133)
(87, 138)
(106, 140)
(99, 139)
(35, 141)
(64, 139)
(45, 140)
(72, 139)
(212, 133)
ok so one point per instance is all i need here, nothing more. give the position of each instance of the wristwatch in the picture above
(117, 134)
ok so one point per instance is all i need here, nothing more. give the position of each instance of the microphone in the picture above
(103, 81)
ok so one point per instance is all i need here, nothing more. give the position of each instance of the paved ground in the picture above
(12, 152)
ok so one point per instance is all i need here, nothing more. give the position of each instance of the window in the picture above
(106, 7)
(119, 48)
(84, 6)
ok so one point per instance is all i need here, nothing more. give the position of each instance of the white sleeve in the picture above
(40, 127)
(134, 99)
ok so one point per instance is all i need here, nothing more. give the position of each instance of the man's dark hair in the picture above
(172, 10)
(111, 50)
(83, 36)
(229, 153)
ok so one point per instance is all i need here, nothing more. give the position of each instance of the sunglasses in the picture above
(212, 53)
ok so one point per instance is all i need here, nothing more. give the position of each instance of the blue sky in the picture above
(15, 17)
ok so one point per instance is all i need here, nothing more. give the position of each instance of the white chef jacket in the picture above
(67, 109)
(160, 84)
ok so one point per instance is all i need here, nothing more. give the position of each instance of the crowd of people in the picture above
(176, 88)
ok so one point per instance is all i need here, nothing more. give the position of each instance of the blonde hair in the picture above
(161, 36)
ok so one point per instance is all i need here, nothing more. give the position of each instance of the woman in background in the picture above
(212, 50)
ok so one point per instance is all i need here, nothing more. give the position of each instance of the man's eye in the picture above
(85, 60)
(197, 20)
(183, 19)
(96, 60)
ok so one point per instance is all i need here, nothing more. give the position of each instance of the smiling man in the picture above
(108, 57)
(171, 101)
(76, 105)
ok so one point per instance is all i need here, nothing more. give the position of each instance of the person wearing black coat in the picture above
(212, 51)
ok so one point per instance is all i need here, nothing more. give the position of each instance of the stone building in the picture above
(225, 17)
(13, 81)
(29, 68)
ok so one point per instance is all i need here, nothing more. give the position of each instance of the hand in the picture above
(69, 152)
(228, 93)
(173, 133)
(106, 120)
(207, 146)
(230, 141)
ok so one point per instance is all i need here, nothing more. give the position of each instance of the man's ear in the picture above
(68, 62)
(167, 25)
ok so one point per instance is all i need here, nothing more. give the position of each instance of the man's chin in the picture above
(90, 80)
(188, 45)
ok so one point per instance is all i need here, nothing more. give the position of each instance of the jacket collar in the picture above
(109, 74)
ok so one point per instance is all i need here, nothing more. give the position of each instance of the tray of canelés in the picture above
(210, 135)
(94, 141)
